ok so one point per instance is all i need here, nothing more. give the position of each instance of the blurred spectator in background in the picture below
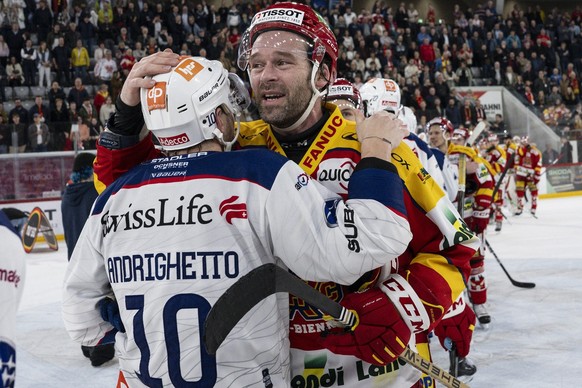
(5, 135)
(44, 65)
(20, 110)
(62, 62)
(59, 125)
(80, 61)
(550, 155)
(19, 135)
(38, 134)
(14, 72)
(78, 93)
(28, 57)
(565, 150)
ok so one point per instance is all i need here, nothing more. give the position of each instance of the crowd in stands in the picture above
(72, 58)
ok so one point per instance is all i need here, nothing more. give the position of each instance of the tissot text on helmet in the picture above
(279, 14)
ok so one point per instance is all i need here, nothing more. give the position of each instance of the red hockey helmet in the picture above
(461, 133)
(344, 89)
(293, 17)
(442, 122)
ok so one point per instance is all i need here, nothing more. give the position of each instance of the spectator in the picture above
(453, 113)
(87, 32)
(498, 126)
(106, 109)
(468, 114)
(3, 82)
(4, 51)
(565, 151)
(40, 109)
(55, 92)
(59, 125)
(42, 19)
(14, 73)
(80, 61)
(29, 58)
(62, 62)
(550, 155)
(105, 68)
(52, 38)
(100, 97)
(19, 135)
(44, 65)
(87, 111)
(464, 75)
(78, 93)
(38, 134)
(20, 110)
(15, 40)
(127, 61)
(5, 135)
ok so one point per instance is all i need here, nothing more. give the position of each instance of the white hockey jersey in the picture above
(12, 274)
(169, 237)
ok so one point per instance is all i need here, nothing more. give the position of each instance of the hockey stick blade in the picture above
(512, 280)
(268, 279)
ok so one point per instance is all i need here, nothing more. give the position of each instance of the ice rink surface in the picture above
(534, 340)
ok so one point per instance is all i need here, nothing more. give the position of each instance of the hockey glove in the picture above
(109, 310)
(480, 220)
(457, 325)
(379, 335)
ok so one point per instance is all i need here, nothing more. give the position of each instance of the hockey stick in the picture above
(479, 128)
(268, 279)
(513, 281)
(462, 184)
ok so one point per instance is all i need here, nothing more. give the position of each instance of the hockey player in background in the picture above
(290, 62)
(496, 156)
(476, 208)
(455, 331)
(76, 204)
(438, 131)
(528, 166)
(12, 274)
(169, 237)
(346, 97)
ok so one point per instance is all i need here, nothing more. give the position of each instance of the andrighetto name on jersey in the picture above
(154, 266)
(161, 215)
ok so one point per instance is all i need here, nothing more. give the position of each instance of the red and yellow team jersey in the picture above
(496, 157)
(528, 161)
(436, 262)
(480, 183)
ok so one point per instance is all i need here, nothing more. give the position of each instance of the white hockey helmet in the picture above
(180, 108)
(407, 116)
(380, 94)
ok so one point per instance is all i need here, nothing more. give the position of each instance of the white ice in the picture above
(534, 340)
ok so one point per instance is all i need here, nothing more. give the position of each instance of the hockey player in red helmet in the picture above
(496, 156)
(346, 96)
(479, 188)
(290, 56)
(528, 165)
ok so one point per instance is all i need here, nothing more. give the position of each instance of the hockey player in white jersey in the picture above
(169, 237)
(381, 94)
(12, 274)
(439, 130)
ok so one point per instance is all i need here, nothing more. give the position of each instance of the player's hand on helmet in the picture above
(109, 310)
(458, 328)
(158, 63)
(380, 334)
(383, 125)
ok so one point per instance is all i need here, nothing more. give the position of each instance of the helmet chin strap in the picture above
(314, 95)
